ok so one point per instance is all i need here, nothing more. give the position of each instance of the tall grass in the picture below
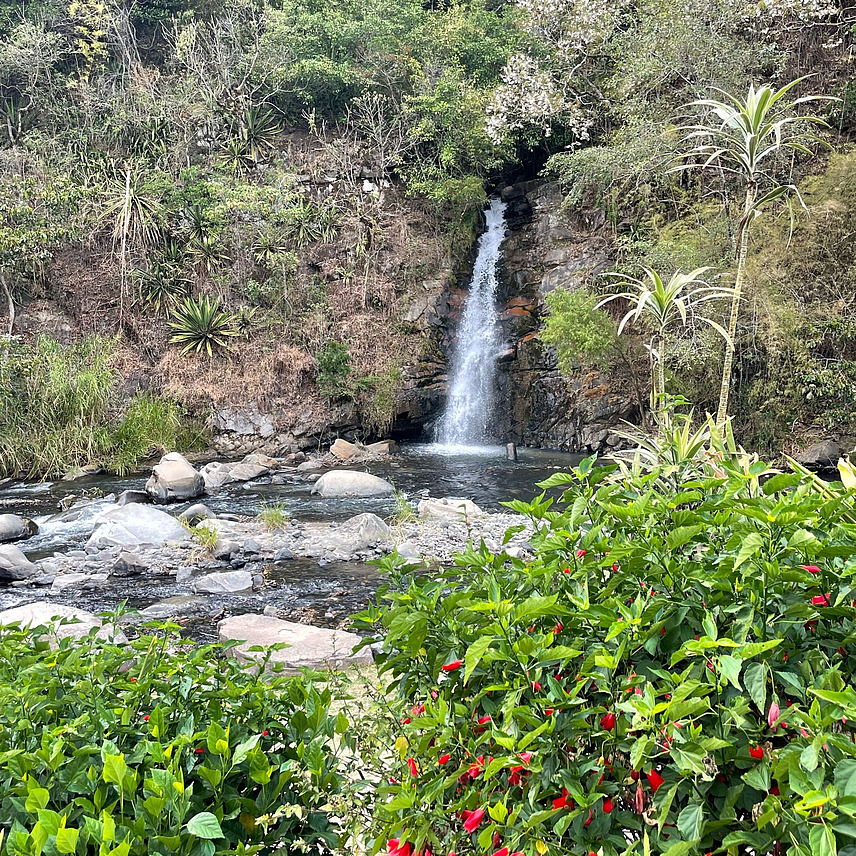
(60, 408)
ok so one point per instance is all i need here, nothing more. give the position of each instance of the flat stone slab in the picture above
(449, 508)
(309, 647)
(225, 582)
(50, 614)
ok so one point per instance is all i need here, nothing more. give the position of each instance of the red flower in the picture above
(411, 765)
(394, 847)
(502, 852)
(558, 628)
(265, 733)
(200, 750)
(548, 711)
(581, 553)
(589, 818)
(563, 801)
(607, 721)
(608, 806)
(146, 718)
(817, 600)
(406, 721)
(484, 720)
(525, 757)
(536, 686)
(450, 667)
(773, 715)
(756, 752)
(417, 709)
(812, 569)
(132, 680)
(444, 759)
(634, 774)
(471, 824)
(476, 767)
(655, 780)
(566, 570)
(775, 790)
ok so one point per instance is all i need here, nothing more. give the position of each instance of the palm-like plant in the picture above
(665, 304)
(742, 139)
(201, 325)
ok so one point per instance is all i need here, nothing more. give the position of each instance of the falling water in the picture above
(473, 370)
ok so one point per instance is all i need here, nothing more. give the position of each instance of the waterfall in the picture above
(473, 367)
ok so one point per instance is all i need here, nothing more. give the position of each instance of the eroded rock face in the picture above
(337, 483)
(308, 647)
(174, 479)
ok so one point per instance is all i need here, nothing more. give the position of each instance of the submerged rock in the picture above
(134, 525)
(226, 582)
(174, 479)
(338, 483)
(14, 528)
(14, 565)
(308, 647)
(50, 614)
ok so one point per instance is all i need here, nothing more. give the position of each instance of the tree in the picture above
(742, 139)
(664, 304)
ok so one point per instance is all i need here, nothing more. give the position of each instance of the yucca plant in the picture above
(160, 287)
(201, 325)
(665, 304)
(742, 138)
(304, 225)
(258, 132)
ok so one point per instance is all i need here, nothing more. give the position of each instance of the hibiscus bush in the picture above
(158, 747)
(672, 673)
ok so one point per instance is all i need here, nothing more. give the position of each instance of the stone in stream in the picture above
(134, 525)
(253, 466)
(308, 647)
(226, 582)
(340, 483)
(128, 496)
(40, 613)
(14, 565)
(64, 581)
(174, 479)
(195, 514)
(171, 606)
(357, 533)
(449, 508)
(14, 528)
(342, 450)
(128, 564)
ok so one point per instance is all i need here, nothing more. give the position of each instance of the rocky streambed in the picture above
(226, 544)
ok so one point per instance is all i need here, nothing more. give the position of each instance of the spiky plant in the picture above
(201, 325)
(160, 287)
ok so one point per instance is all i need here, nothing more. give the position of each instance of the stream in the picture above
(299, 589)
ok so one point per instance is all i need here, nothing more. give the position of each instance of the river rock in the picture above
(383, 448)
(134, 525)
(225, 582)
(449, 508)
(14, 565)
(308, 647)
(195, 514)
(128, 496)
(338, 483)
(64, 581)
(50, 614)
(174, 479)
(128, 564)
(359, 532)
(823, 455)
(14, 528)
(342, 450)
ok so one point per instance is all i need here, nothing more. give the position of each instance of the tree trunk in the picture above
(728, 358)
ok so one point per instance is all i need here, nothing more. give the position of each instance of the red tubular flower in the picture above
(821, 599)
(472, 823)
(563, 801)
(756, 752)
(411, 765)
(451, 667)
(417, 709)
(634, 774)
(608, 806)
(476, 767)
(406, 721)
(525, 757)
(558, 627)
(444, 759)
(655, 780)
(812, 569)
(589, 818)
(548, 711)
(581, 553)
(607, 721)
(501, 852)
(773, 715)
(200, 750)
(536, 686)
(265, 733)
(395, 847)
(484, 720)
(146, 718)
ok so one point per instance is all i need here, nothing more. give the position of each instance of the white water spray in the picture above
(473, 369)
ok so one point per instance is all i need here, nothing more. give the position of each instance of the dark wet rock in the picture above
(820, 456)
(252, 546)
(15, 528)
(283, 555)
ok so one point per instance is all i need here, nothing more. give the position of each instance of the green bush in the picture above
(158, 747)
(201, 325)
(334, 371)
(672, 673)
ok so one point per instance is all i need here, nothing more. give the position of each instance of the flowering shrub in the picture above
(672, 673)
(182, 753)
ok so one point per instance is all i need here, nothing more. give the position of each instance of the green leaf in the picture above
(690, 822)
(758, 777)
(809, 758)
(204, 825)
(755, 681)
(822, 840)
(680, 848)
(115, 769)
(66, 840)
(682, 535)
(751, 545)
(475, 653)
(36, 799)
(730, 667)
(242, 750)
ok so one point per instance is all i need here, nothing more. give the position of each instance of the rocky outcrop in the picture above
(821, 456)
(174, 479)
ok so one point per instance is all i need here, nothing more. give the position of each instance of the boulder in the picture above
(134, 525)
(195, 514)
(219, 473)
(361, 531)
(14, 528)
(308, 647)
(128, 496)
(225, 582)
(174, 479)
(823, 455)
(449, 508)
(310, 465)
(382, 448)
(65, 581)
(14, 565)
(342, 450)
(50, 614)
(337, 483)
(128, 564)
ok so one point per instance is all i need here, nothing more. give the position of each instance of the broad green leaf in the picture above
(758, 777)
(115, 769)
(755, 681)
(66, 840)
(475, 653)
(730, 667)
(690, 822)
(36, 799)
(204, 825)
(750, 547)
(822, 840)
(242, 750)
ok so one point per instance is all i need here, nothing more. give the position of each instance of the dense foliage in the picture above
(671, 673)
(158, 746)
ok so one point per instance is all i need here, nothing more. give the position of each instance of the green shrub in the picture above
(201, 325)
(334, 370)
(150, 425)
(158, 747)
(672, 673)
